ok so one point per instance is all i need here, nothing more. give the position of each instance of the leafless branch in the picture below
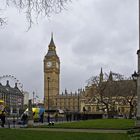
(3, 21)
(114, 89)
(36, 8)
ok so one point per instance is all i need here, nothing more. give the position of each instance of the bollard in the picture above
(14, 121)
(8, 124)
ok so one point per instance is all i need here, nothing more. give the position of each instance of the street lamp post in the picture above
(33, 98)
(137, 75)
(48, 100)
(78, 117)
(78, 100)
(136, 78)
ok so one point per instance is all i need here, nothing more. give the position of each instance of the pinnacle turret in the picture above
(52, 42)
(110, 76)
(101, 75)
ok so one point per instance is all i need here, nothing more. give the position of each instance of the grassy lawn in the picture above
(98, 124)
(13, 134)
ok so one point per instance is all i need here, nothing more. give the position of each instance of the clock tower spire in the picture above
(51, 76)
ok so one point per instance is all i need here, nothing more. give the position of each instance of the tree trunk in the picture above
(130, 111)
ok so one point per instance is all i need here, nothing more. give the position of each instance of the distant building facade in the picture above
(26, 97)
(12, 97)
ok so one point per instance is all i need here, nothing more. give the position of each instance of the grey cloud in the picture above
(89, 35)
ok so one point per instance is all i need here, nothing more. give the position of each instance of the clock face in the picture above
(49, 64)
(57, 65)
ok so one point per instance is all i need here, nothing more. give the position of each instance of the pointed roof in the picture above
(101, 75)
(110, 76)
(51, 50)
(51, 42)
(101, 71)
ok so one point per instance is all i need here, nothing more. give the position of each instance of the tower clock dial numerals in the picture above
(49, 64)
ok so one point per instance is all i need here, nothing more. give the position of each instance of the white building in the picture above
(26, 97)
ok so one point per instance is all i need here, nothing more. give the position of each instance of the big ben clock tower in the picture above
(51, 76)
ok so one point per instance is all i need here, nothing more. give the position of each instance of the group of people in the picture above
(24, 118)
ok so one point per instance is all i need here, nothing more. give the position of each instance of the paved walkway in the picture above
(76, 130)
(66, 130)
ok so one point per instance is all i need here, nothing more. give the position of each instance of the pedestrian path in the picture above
(77, 130)
(24, 127)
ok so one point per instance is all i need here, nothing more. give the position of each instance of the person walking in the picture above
(24, 118)
(42, 117)
(2, 116)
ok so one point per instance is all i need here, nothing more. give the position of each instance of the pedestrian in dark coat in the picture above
(2, 117)
(42, 117)
(24, 118)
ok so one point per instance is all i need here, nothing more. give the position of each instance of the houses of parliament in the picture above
(84, 99)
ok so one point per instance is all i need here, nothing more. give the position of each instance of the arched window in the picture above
(89, 109)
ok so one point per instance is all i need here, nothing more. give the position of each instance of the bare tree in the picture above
(100, 90)
(113, 90)
(34, 8)
(129, 91)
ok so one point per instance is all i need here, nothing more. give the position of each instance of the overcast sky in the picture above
(89, 35)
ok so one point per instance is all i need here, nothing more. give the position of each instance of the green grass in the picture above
(13, 134)
(98, 124)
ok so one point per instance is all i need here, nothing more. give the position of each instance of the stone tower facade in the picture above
(51, 76)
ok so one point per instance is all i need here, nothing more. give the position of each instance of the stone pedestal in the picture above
(30, 123)
(30, 114)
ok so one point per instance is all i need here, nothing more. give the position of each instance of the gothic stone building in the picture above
(12, 97)
(116, 95)
(83, 100)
